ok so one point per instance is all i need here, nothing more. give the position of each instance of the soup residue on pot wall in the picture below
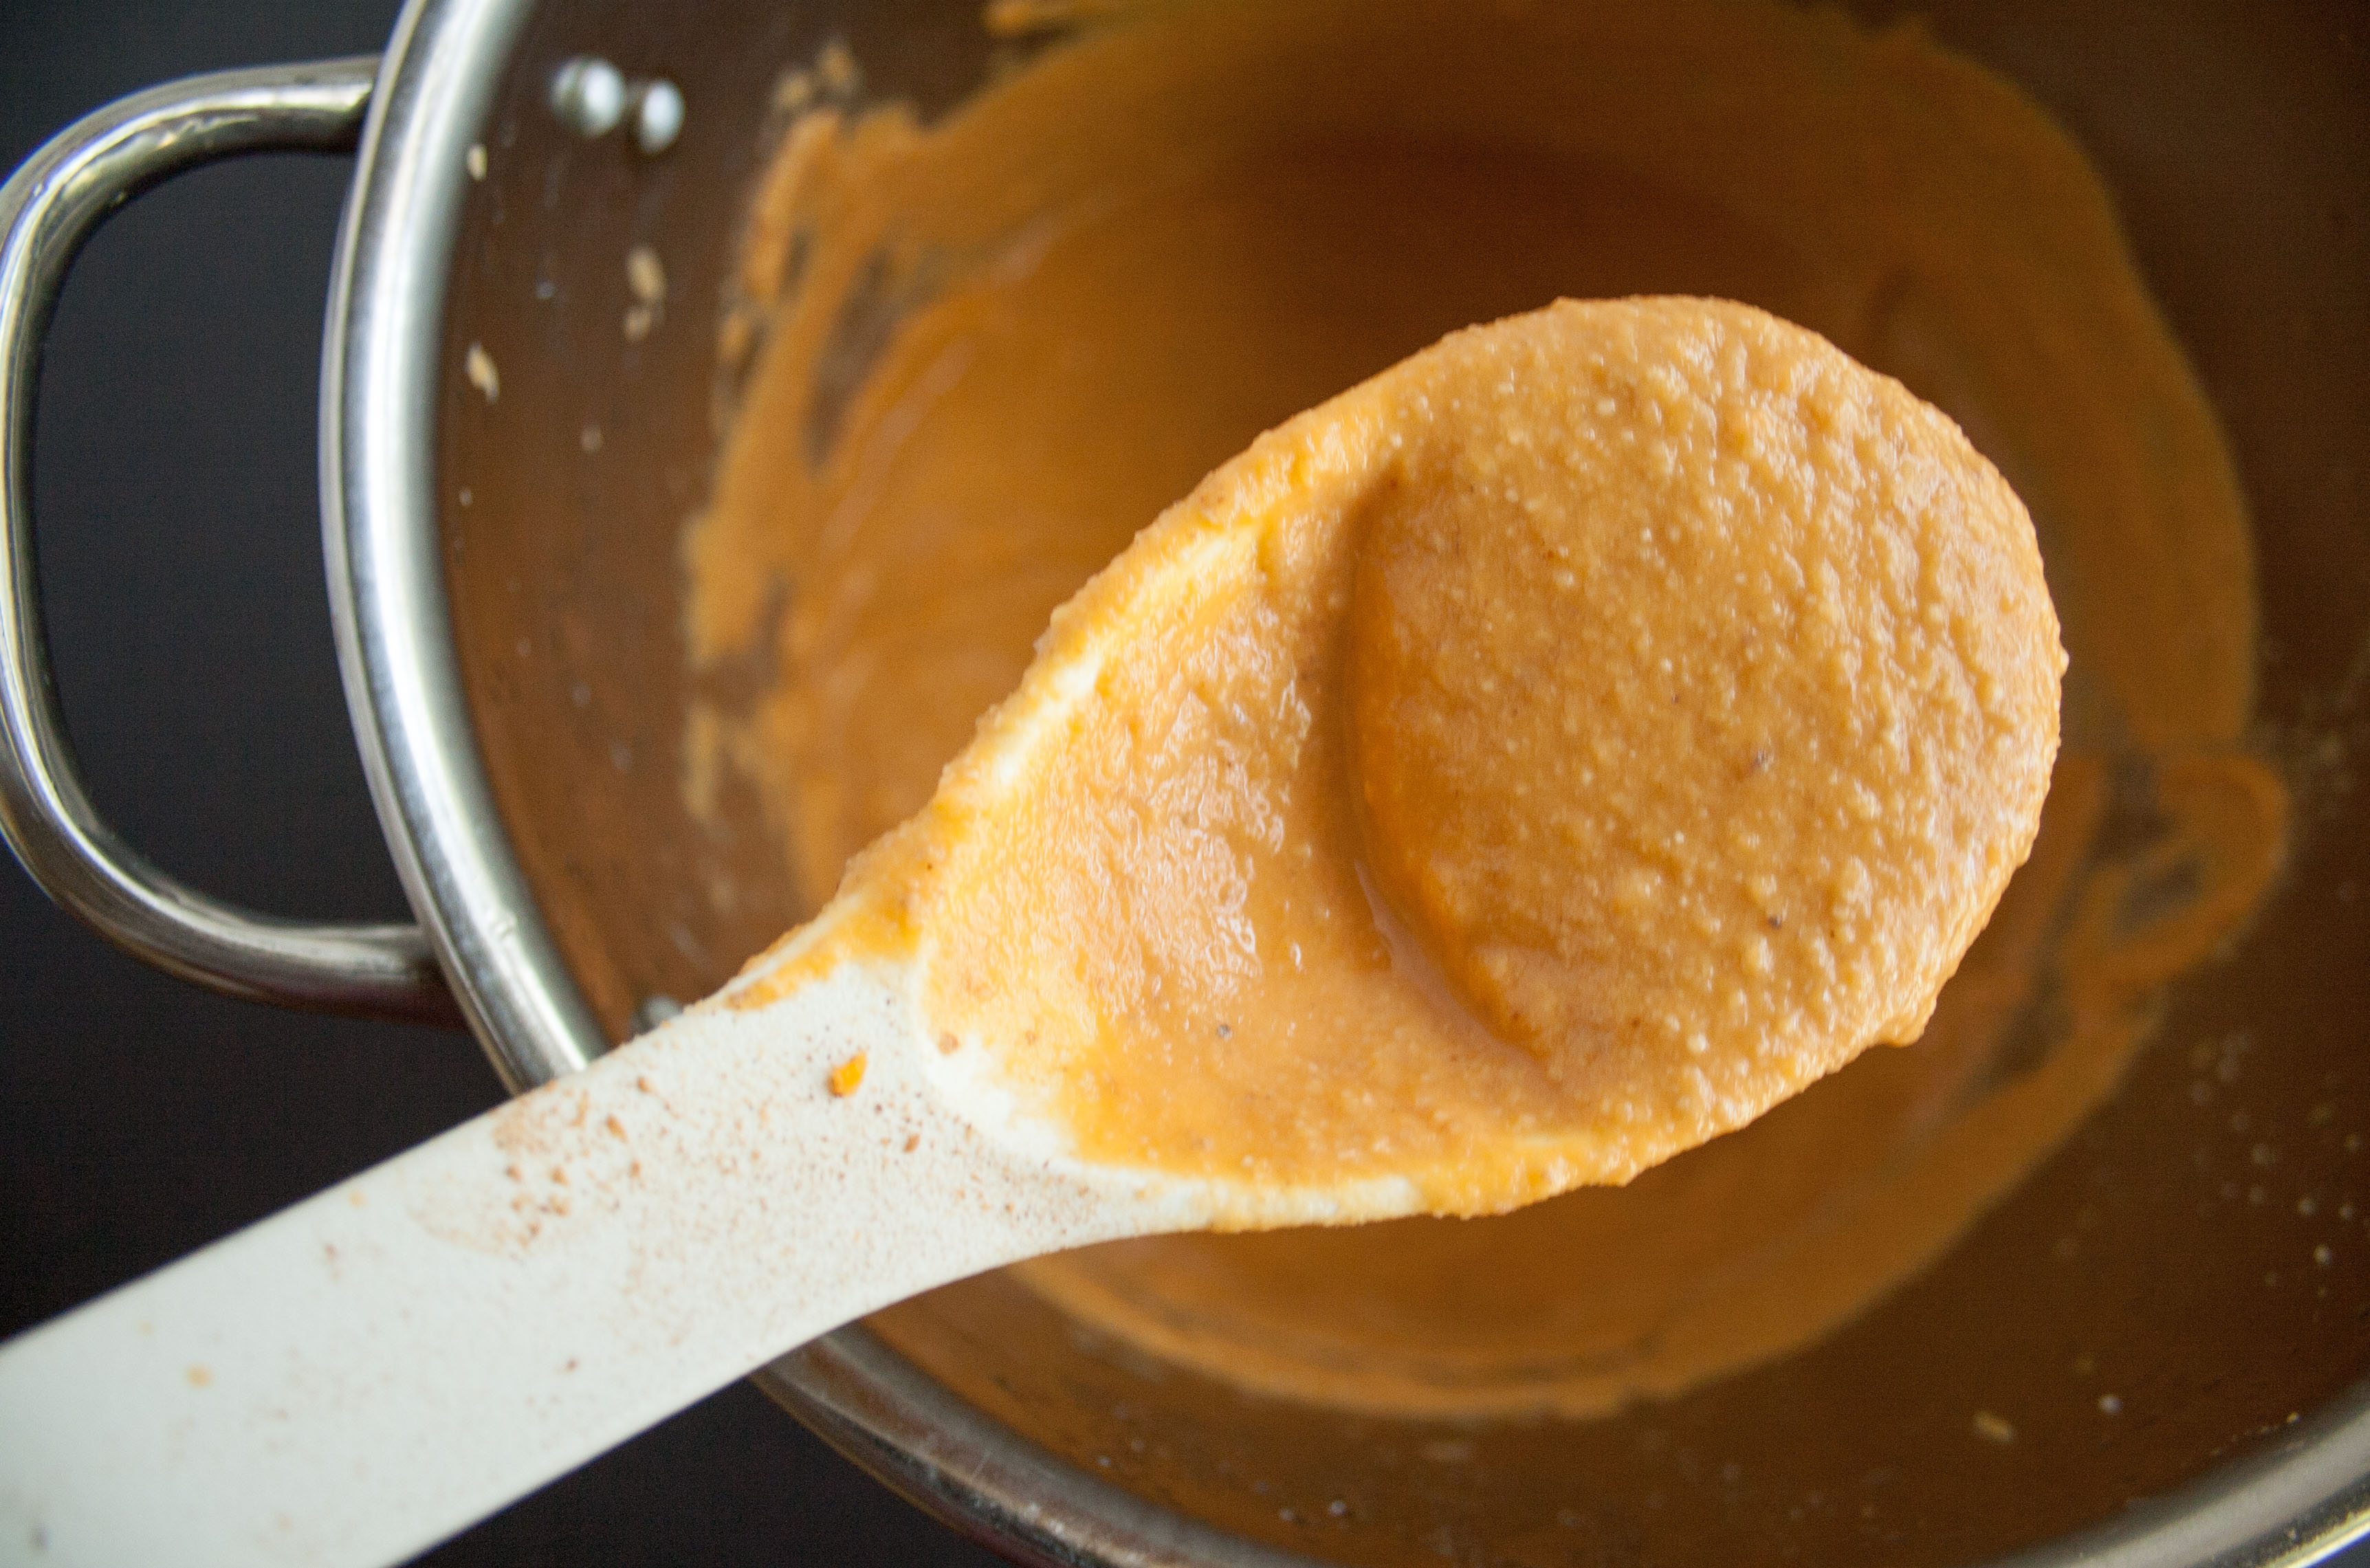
(975, 357)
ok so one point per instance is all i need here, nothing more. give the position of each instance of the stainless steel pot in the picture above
(504, 474)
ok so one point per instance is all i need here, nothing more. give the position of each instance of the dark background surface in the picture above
(180, 560)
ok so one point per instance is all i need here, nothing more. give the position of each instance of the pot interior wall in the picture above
(2198, 1255)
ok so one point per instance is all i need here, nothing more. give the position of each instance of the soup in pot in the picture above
(975, 357)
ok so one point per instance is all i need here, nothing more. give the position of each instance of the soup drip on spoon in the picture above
(1532, 762)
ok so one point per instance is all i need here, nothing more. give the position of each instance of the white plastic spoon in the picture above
(361, 1375)
(372, 1370)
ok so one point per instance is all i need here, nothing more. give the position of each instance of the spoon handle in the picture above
(361, 1375)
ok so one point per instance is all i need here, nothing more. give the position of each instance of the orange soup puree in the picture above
(1757, 648)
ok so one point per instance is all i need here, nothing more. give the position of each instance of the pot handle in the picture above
(47, 208)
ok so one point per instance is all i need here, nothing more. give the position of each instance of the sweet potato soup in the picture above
(978, 356)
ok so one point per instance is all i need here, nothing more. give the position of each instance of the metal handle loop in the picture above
(47, 208)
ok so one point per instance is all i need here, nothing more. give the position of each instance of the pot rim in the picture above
(2298, 1500)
